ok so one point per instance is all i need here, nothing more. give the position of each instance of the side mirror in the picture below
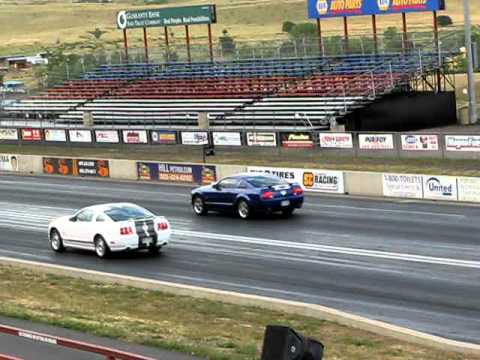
(216, 186)
(73, 218)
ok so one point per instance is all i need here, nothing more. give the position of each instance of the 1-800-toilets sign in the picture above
(186, 15)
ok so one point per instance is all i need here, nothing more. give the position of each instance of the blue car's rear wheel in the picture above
(243, 209)
(198, 206)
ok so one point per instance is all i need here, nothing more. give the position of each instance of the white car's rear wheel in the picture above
(101, 247)
(56, 242)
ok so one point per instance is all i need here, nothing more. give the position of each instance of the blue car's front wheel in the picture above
(243, 209)
(198, 206)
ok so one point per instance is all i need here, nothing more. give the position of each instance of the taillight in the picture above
(127, 230)
(162, 226)
(267, 195)
(297, 191)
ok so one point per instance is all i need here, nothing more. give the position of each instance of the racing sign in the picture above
(413, 142)
(312, 180)
(225, 138)
(194, 138)
(375, 141)
(339, 8)
(296, 139)
(30, 134)
(135, 137)
(172, 16)
(180, 173)
(8, 162)
(336, 140)
(462, 142)
(163, 137)
(83, 136)
(106, 136)
(8, 134)
(57, 135)
(76, 167)
(261, 139)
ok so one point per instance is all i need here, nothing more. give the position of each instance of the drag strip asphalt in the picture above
(413, 264)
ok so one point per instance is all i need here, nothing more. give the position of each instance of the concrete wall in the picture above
(363, 183)
(123, 169)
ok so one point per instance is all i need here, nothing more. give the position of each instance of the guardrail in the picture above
(390, 144)
(110, 354)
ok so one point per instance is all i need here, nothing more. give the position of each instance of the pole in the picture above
(320, 40)
(210, 42)
(167, 45)
(125, 44)
(472, 99)
(375, 37)
(187, 38)
(145, 43)
(437, 50)
(345, 31)
(404, 37)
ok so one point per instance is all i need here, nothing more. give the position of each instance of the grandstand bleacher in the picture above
(274, 93)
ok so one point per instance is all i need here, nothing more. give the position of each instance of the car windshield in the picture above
(263, 181)
(123, 213)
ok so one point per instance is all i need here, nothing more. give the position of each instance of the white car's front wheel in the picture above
(56, 242)
(101, 247)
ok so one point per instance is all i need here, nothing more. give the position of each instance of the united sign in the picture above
(334, 8)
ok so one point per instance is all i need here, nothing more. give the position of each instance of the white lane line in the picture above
(361, 208)
(76, 188)
(332, 249)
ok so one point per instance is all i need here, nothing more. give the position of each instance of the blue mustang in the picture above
(248, 194)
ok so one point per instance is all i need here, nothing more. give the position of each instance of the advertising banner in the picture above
(462, 143)
(468, 189)
(375, 141)
(296, 140)
(338, 8)
(224, 138)
(58, 135)
(439, 187)
(30, 134)
(312, 180)
(163, 137)
(83, 136)
(8, 162)
(194, 138)
(336, 140)
(8, 134)
(107, 136)
(268, 139)
(183, 173)
(403, 185)
(412, 142)
(185, 15)
(76, 167)
(135, 137)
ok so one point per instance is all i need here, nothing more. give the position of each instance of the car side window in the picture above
(242, 184)
(228, 184)
(100, 218)
(85, 216)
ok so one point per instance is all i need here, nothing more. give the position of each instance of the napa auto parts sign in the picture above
(311, 180)
(413, 142)
(318, 9)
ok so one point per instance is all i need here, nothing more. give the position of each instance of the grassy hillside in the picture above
(28, 24)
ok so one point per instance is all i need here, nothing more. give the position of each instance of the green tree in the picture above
(287, 26)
